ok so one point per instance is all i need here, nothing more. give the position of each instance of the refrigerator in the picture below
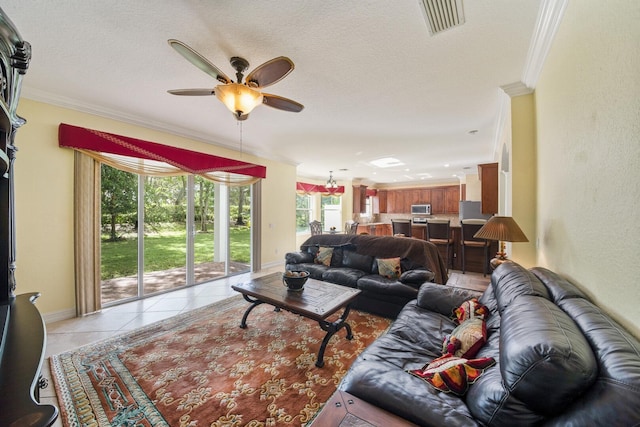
(472, 210)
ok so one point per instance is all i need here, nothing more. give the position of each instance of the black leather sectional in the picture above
(560, 360)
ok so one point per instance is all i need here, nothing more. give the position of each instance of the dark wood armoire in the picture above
(22, 330)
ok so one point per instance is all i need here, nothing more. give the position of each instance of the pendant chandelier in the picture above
(331, 183)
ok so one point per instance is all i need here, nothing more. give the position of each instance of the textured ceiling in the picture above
(374, 82)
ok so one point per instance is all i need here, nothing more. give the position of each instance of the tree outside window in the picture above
(303, 212)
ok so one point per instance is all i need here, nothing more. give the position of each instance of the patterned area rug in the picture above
(202, 369)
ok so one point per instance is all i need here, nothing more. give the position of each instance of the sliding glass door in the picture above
(163, 233)
(239, 258)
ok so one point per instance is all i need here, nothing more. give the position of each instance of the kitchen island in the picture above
(475, 256)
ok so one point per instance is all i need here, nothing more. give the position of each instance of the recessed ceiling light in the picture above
(386, 162)
(446, 165)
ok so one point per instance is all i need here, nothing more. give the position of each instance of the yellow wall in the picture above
(588, 137)
(473, 187)
(44, 200)
(523, 177)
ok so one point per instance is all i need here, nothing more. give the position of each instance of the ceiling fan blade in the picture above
(198, 60)
(275, 101)
(270, 72)
(192, 92)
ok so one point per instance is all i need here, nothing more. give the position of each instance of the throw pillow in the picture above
(324, 256)
(452, 374)
(471, 309)
(389, 267)
(466, 339)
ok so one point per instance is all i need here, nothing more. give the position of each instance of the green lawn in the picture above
(167, 249)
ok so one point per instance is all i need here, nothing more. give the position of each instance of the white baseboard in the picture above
(57, 316)
(272, 265)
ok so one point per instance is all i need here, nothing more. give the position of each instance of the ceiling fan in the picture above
(240, 97)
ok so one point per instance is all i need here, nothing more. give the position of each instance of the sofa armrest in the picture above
(298, 257)
(417, 277)
(443, 299)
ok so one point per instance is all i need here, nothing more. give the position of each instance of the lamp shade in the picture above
(238, 98)
(502, 228)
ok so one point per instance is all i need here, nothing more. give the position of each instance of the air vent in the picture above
(442, 14)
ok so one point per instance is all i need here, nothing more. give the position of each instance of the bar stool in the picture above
(401, 226)
(439, 233)
(468, 228)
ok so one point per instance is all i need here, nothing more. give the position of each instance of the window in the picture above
(304, 212)
(331, 212)
(368, 209)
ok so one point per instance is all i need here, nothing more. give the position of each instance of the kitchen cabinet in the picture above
(437, 201)
(488, 174)
(382, 201)
(452, 199)
(419, 232)
(359, 199)
(375, 229)
(425, 196)
(415, 197)
(443, 200)
(383, 230)
(396, 201)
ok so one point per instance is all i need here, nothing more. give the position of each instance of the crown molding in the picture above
(64, 102)
(516, 89)
(503, 115)
(549, 18)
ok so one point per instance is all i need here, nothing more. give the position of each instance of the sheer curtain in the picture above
(92, 148)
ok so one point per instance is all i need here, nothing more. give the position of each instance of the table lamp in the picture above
(503, 229)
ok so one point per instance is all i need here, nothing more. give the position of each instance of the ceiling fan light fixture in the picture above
(238, 98)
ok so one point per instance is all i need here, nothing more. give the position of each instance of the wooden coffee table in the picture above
(346, 410)
(317, 301)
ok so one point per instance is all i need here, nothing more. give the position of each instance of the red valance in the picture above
(303, 187)
(189, 161)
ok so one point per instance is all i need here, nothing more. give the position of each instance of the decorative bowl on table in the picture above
(295, 280)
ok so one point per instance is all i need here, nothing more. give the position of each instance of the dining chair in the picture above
(315, 227)
(351, 227)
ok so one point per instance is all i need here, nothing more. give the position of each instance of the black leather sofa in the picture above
(560, 359)
(354, 264)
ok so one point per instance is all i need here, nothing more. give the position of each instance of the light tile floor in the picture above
(70, 334)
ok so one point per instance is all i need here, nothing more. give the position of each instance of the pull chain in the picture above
(240, 124)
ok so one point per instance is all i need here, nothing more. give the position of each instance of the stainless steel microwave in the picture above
(421, 209)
